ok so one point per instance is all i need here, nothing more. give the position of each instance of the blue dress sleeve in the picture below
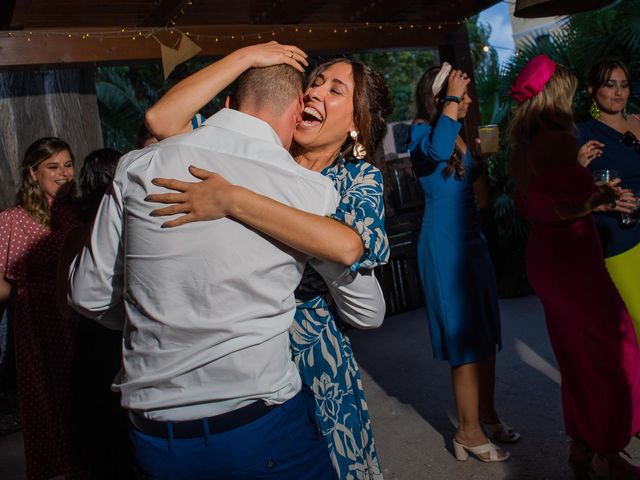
(362, 208)
(197, 121)
(433, 144)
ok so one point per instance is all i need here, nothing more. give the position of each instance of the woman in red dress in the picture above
(589, 327)
(31, 235)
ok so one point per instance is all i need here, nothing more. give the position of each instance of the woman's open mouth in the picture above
(311, 117)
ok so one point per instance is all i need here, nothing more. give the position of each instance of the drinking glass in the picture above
(604, 176)
(489, 139)
(631, 218)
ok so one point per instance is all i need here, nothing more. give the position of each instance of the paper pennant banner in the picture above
(172, 57)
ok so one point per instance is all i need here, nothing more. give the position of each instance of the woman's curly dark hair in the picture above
(372, 104)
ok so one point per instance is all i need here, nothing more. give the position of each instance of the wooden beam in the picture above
(163, 12)
(284, 12)
(7, 8)
(56, 47)
(359, 11)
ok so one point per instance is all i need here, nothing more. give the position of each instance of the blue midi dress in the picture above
(453, 259)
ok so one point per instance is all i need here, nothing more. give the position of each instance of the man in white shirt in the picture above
(207, 371)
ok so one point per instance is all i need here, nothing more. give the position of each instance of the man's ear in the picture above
(227, 102)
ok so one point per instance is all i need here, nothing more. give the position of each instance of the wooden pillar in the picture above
(456, 51)
(45, 103)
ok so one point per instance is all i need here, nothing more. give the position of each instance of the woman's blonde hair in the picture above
(551, 109)
(30, 196)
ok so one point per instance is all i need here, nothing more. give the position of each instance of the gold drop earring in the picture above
(594, 110)
(358, 151)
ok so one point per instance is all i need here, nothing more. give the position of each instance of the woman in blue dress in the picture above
(345, 106)
(610, 141)
(455, 268)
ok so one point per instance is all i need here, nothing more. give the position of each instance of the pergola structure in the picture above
(37, 32)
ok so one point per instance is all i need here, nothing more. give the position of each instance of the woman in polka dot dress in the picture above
(31, 235)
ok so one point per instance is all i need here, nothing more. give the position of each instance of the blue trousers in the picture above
(285, 444)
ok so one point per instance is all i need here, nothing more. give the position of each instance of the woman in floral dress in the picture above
(345, 106)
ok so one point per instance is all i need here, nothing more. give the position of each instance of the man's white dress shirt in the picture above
(207, 306)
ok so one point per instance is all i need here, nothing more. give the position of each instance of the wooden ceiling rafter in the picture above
(24, 50)
(96, 13)
(81, 31)
(388, 12)
(162, 13)
(282, 12)
(7, 7)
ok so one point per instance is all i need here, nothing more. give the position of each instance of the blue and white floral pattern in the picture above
(320, 348)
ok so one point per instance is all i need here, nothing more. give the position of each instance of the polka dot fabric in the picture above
(44, 342)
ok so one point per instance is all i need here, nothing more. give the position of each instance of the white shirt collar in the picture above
(243, 123)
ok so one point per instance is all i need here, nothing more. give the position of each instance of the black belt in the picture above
(196, 428)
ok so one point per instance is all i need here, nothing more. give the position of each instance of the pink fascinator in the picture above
(532, 79)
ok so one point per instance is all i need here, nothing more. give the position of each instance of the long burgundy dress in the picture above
(589, 327)
(44, 341)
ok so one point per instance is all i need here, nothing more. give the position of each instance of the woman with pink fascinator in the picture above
(590, 329)
(455, 267)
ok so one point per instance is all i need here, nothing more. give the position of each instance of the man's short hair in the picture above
(270, 88)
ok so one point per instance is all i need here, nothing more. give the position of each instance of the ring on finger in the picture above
(291, 54)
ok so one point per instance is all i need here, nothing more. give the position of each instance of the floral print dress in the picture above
(320, 348)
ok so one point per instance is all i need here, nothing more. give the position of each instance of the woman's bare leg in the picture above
(466, 386)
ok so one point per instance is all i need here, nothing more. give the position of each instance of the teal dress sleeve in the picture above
(197, 121)
(361, 207)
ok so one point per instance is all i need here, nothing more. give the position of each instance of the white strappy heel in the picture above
(502, 433)
(462, 452)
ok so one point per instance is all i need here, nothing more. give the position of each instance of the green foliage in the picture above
(401, 70)
(120, 110)
(125, 92)
(479, 34)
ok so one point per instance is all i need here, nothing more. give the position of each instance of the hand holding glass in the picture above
(631, 218)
